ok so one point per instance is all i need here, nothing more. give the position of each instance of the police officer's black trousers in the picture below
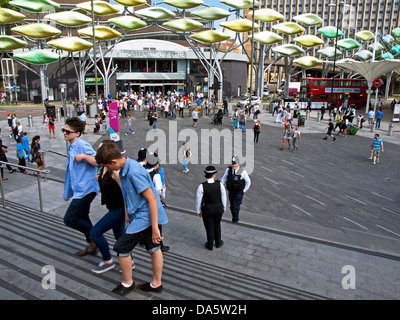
(212, 215)
(235, 199)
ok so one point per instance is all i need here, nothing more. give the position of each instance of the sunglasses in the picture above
(67, 131)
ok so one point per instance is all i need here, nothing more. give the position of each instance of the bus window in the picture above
(323, 97)
(305, 82)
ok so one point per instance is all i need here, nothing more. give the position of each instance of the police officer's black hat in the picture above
(235, 159)
(210, 169)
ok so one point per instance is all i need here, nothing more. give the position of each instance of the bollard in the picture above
(373, 126)
(318, 116)
(58, 115)
(30, 120)
(391, 127)
(307, 114)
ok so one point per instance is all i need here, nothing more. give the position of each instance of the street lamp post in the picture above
(252, 51)
(340, 5)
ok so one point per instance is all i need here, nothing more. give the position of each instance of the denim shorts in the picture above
(127, 242)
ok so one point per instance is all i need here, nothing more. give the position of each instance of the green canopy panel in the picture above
(309, 19)
(365, 35)
(100, 8)
(100, 33)
(267, 37)
(37, 30)
(70, 44)
(38, 57)
(267, 15)
(34, 5)
(240, 4)
(289, 28)
(210, 36)
(309, 41)
(183, 25)
(155, 13)
(8, 16)
(364, 55)
(184, 4)
(307, 62)
(131, 3)
(128, 22)
(329, 52)
(8, 43)
(288, 50)
(348, 44)
(330, 32)
(239, 25)
(211, 13)
(69, 18)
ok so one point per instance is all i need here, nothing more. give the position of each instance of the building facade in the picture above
(377, 16)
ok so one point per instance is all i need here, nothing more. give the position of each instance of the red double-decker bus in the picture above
(345, 91)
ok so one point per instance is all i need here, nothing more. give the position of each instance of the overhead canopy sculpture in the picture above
(288, 40)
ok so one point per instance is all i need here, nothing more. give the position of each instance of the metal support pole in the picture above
(30, 120)
(391, 127)
(40, 192)
(3, 198)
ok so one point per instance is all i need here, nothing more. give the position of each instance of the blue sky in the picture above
(212, 3)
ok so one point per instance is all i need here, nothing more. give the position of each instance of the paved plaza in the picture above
(310, 218)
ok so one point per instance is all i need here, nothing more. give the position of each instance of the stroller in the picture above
(214, 119)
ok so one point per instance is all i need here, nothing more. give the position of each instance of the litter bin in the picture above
(51, 111)
(93, 110)
(271, 107)
(71, 111)
(301, 121)
(37, 99)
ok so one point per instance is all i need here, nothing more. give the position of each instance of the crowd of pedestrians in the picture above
(134, 191)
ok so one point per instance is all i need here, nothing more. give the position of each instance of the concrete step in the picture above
(31, 240)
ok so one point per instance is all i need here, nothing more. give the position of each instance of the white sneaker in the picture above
(103, 267)
(126, 134)
(133, 132)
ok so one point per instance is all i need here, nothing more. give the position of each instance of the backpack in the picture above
(234, 182)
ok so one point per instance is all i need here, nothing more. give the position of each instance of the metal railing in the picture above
(39, 174)
(44, 151)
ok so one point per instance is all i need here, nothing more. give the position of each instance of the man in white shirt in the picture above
(237, 182)
(371, 116)
(211, 205)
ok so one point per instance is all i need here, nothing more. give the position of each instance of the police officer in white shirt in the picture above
(211, 205)
(237, 182)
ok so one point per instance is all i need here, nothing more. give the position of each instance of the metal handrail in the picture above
(39, 175)
(43, 151)
(52, 151)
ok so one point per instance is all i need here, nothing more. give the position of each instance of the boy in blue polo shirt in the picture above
(145, 213)
(377, 147)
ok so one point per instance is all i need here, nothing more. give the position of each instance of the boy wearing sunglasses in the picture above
(80, 182)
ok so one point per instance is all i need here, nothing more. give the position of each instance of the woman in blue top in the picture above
(21, 155)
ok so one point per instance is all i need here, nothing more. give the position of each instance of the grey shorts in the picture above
(377, 153)
(127, 242)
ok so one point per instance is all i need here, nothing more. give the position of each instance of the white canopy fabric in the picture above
(370, 70)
